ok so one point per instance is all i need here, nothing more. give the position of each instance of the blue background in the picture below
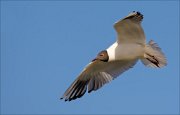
(45, 45)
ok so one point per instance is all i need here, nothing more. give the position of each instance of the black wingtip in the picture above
(138, 13)
(90, 91)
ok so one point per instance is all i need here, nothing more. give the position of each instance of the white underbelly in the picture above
(125, 51)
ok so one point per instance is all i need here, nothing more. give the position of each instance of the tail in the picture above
(153, 56)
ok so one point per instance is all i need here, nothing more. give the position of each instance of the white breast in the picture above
(125, 51)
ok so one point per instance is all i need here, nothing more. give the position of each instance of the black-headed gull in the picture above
(119, 57)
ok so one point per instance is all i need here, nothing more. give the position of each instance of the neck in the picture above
(111, 51)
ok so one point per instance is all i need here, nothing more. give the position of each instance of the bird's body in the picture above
(129, 47)
(126, 51)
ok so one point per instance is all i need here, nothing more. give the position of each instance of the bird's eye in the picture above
(101, 54)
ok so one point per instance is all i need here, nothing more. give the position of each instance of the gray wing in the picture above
(129, 29)
(94, 76)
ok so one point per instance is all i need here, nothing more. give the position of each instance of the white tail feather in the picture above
(153, 56)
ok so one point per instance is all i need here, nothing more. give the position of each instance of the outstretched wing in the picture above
(94, 76)
(129, 29)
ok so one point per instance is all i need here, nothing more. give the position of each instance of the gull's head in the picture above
(102, 56)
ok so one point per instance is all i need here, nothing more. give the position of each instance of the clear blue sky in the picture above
(45, 45)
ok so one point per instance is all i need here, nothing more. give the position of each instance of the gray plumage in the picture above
(118, 58)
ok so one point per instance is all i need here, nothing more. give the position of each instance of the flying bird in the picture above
(129, 47)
